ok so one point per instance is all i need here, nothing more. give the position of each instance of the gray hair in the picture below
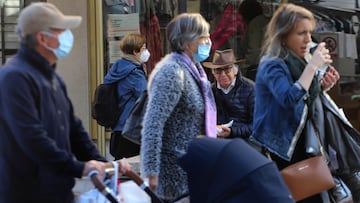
(28, 40)
(185, 28)
(236, 68)
(282, 24)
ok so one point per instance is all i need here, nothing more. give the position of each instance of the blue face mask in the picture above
(66, 41)
(203, 53)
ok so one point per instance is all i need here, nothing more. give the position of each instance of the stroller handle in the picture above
(95, 179)
(141, 183)
(138, 180)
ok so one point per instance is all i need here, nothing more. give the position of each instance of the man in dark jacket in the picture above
(234, 96)
(43, 145)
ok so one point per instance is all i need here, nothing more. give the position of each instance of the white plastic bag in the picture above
(92, 196)
(126, 192)
(130, 192)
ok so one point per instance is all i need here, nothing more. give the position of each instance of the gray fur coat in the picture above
(175, 115)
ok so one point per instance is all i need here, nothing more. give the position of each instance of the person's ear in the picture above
(41, 39)
(187, 47)
(136, 53)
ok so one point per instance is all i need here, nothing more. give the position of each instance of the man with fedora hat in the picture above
(234, 95)
(43, 144)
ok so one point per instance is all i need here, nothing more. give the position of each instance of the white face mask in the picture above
(145, 55)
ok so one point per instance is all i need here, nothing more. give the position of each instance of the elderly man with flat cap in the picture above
(234, 96)
(43, 145)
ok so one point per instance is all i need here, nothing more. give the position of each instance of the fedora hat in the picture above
(222, 58)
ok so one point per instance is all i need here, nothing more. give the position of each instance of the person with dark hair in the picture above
(43, 144)
(252, 41)
(129, 72)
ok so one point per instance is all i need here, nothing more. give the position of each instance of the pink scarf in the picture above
(200, 76)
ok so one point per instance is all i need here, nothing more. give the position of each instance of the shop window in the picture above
(9, 10)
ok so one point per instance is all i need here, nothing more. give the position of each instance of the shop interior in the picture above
(337, 26)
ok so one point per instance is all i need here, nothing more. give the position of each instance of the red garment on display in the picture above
(230, 22)
(153, 41)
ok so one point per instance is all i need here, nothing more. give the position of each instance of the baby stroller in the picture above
(231, 171)
(221, 170)
(105, 186)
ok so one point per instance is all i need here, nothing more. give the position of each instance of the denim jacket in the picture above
(280, 110)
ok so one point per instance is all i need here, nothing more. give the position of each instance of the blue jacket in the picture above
(43, 145)
(280, 109)
(132, 82)
(237, 105)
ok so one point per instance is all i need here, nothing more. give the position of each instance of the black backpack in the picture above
(104, 107)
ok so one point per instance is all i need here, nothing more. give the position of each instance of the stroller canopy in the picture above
(230, 170)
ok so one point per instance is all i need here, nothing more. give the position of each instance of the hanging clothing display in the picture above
(153, 41)
(150, 28)
(231, 22)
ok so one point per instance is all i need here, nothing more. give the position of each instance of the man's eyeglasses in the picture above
(226, 69)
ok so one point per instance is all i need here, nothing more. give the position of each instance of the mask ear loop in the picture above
(49, 34)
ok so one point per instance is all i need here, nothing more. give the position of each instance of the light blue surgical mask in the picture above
(203, 53)
(66, 42)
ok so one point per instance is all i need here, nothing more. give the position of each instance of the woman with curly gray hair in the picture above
(180, 107)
